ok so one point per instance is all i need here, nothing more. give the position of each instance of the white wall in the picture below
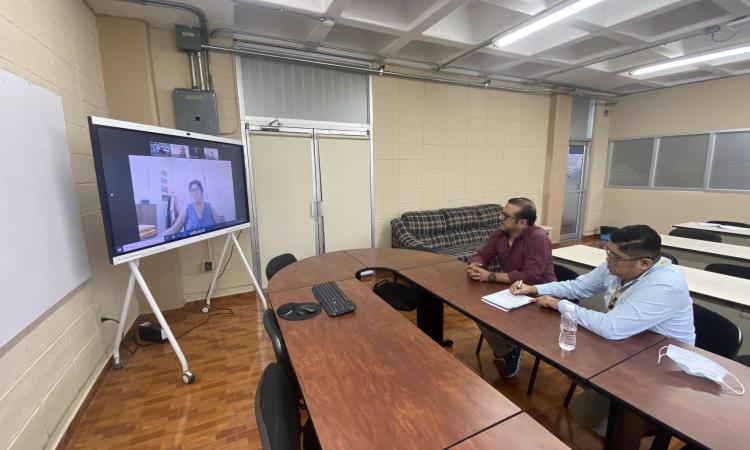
(47, 370)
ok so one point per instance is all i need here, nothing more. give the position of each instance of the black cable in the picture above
(713, 38)
(122, 338)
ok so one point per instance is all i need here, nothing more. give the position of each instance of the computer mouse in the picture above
(310, 309)
(305, 310)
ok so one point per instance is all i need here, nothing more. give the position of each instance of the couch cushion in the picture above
(462, 252)
(424, 223)
(489, 215)
(461, 237)
(438, 241)
(460, 218)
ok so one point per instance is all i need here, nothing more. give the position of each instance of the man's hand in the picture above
(548, 301)
(475, 271)
(518, 288)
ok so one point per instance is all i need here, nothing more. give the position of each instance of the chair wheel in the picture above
(188, 377)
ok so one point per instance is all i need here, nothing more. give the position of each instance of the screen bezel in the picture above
(94, 124)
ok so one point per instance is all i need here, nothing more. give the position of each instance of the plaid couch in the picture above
(457, 232)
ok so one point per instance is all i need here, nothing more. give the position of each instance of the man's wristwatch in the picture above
(491, 278)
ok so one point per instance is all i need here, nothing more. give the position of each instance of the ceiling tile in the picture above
(397, 14)
(609, 13)
(544, 39)
(483, 61)
(427, 51)
(693, 16)
(475, 22)
(357, 38)
(632, 87)
(584, 50)
(528, 69)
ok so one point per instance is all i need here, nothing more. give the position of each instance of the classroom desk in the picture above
(694, 409)
(697, 254)
(372, 380)
(520, 432)
(731, 290)
(593, 353)
(728, 235)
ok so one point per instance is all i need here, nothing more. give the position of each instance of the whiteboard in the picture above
(43, 254)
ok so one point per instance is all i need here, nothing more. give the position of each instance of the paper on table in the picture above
(718, 225)
(506, 301)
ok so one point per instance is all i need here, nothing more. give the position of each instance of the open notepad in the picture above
(506, 301)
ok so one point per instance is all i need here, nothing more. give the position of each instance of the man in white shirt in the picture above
(642, 291)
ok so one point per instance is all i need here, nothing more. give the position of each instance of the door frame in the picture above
(582, 192)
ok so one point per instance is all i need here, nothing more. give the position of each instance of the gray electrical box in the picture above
(188, 38)
(196, 111)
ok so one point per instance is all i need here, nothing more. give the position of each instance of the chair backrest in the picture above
(669, 257)
(715, 333)
(279, 349)
(695, 234)
(277, 263)
(733, 270)
(276, 411)
(730, 223)
(563, 273)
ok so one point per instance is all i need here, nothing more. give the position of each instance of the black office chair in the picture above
(279, 349)
(277, 263)
(400, 296)
(670, 257)
(277, 414)
(730, 223)
(695, 234)
(733, 270)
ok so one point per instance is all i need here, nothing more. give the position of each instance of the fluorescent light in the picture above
(544, 22)
(691, 60)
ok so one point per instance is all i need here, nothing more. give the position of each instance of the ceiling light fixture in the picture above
(691, 60)
(543, 22)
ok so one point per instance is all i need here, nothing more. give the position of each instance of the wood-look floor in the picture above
(146, 405)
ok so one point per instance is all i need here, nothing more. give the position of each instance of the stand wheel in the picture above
(206, 309)
(117, 365)
(188, 377)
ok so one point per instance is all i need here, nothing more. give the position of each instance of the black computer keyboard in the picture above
(332, 299)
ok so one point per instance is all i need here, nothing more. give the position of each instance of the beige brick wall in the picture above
(47, 370)
(439, 145)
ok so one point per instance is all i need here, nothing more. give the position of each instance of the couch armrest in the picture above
(401, 237)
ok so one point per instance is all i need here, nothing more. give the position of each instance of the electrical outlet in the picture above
(208, 266)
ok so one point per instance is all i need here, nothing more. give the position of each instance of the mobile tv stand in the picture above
(135, 275)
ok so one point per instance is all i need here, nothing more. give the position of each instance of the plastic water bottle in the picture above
(568, 327)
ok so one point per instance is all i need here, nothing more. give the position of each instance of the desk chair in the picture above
(731, 224)
(277, 263)
(670, 257)
(695, 234)
(279, 349)
(277, 414)
(402, 297)
(733, 270)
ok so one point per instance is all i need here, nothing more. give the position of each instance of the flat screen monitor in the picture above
(161, 188)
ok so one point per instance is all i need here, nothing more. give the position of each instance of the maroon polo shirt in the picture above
(529, 259)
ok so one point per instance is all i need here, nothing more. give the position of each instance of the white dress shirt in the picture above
(658, 301)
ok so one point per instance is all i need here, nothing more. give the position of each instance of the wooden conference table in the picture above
(730, 235)
(415, 394)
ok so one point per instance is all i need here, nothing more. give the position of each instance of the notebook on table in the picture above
(506, 301)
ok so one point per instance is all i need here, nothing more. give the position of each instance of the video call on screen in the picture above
(160, 188)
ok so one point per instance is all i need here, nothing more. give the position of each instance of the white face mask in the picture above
(699, 366)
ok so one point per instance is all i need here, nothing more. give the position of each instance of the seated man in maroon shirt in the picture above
(525, 253)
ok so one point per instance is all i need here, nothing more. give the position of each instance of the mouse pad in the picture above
(293, 311)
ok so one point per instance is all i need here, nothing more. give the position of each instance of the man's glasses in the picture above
(504, 216)
(615, 259)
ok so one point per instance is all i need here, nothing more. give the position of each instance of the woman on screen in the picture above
(198, 214)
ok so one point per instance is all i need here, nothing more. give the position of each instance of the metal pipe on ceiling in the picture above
(382, 71)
